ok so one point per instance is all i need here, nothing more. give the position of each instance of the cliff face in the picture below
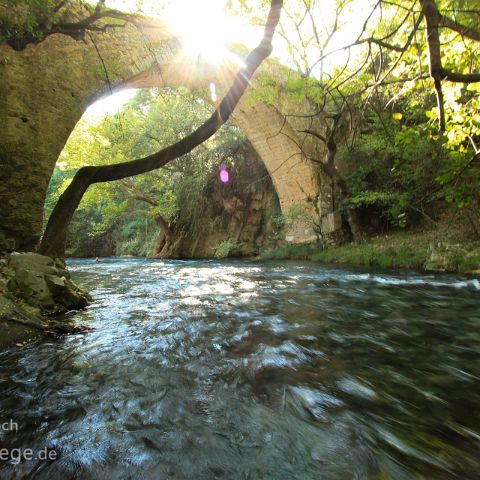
(241, 211)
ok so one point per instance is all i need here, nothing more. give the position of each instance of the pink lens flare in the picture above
(224, 175)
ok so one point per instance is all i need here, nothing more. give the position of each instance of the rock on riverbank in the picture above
(33, 290)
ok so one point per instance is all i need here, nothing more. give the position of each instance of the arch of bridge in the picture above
(47, 87)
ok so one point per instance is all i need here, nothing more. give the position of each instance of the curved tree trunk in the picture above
(53, 241)
(433, 21)
(165, 238)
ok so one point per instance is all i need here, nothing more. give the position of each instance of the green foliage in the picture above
(394, 169)
(461, 175)
(296, 211)
(279, 221)
(399, 169)
(392, 204)
(167, 206)
(373, 198)
(132, 227)
(266, 90)
(111, 214)
(25, 18)
(405, 165)
(226, 247)
(372, 256)
(411, 257)
(137, 246)
(288, 252)
(23, 22)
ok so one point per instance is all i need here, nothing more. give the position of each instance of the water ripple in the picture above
(201, 370)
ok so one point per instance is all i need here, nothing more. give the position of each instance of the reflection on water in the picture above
(204, 370)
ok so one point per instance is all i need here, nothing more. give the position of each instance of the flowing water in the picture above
(241, 370)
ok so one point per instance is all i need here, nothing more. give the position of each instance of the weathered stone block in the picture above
(331, 223)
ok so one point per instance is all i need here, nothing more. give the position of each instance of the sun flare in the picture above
(205, 29)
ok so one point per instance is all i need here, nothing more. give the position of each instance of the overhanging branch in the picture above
(95, 21)
(460, 77)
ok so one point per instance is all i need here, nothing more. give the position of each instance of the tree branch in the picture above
(460, 77)
(434, 20)
(468, 32)
(314, 134)
(75, 30)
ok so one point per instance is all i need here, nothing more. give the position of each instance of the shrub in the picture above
(226, 247)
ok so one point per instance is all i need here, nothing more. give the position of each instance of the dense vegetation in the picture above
(122, 218)
(400, 140)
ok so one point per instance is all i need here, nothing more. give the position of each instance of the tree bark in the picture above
(53, 241)
(434, 20)
(463, 30)
(165, 239)
(352, 215)
(330, 169)
(94, 21)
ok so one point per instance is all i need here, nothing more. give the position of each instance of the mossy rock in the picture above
(31, 286)
(12, 332)
(44, 283)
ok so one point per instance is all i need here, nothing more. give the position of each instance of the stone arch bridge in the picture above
(45, 89)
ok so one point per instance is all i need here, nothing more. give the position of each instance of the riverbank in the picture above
(34, 291)
(422, 251)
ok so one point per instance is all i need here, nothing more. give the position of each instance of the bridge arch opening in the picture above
(130, 58)
(220, 191)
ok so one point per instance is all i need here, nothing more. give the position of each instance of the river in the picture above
(245, 370)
